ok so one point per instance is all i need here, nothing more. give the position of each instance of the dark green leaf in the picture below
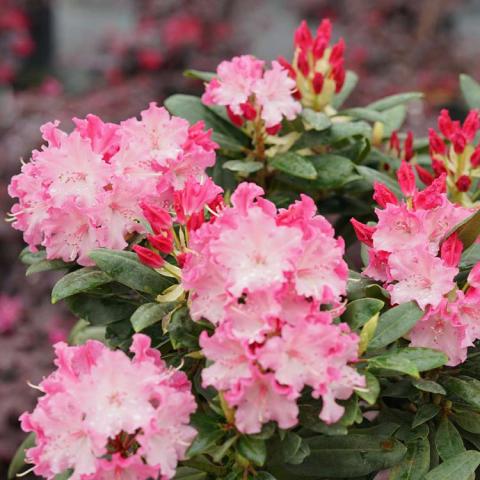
(204, 441)
(372, 389)
(468, 230)
(415, 464)
(187, 473)
(361, 113)
(392, 363)
(466, 389)
(46, 266)
(18, 461)
(471, 256)
(264, 476)
(468, 420)
(332, 170)
(125, 268)
(459, 467)
(295, 165)
(242, 166)
(470, 90)
(149, 314)
(395, 323)
(80, 280)
(317, 120)
(423, 358)
(351, 80)
(360, 311)
(199, 75)
(183, 331)
(294, 449)
(394, 100)
(372, 175)
(429, 386)
(83, 331)
(253, 449)
(425, 413)
(448, 441)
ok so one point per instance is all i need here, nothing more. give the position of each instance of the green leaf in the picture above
(149, 314)
(183, 331)
(395, 323)
(470, 256)
(372, 391)
(367, 333)
(371, 175)
(199, 75)
(459, 467)
(47, 266)
(360, 311)
(351, 80)
(242, 166)
(205, 441)
(187, 473)
(465, 388)
(391, 362)
(18, 461)
(467, 419)
(253, 449)
(125, 268)
(83, 331)
(448, 441)
(425, 413)
(295, 165)
(28, 257)
(317, 120)
(416, 462)
(63, 476)
(394, 100)
(192, 109)
(80, 280)
(264, 476)
(347, 456)
(470, 91)
(361, 113)
(429, 386)
(468, 230)
(423, 358)
(394, 119)
(333, 171)
(294, 449)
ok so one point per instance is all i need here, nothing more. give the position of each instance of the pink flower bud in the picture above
(406, 179)
(451, 250)
(364, 232)
(163, 243)
(158, 218)
(395, 142)
(383, 195)
(234, 118)
(438, 167)
(303, 37)
(408, 147)
(337, 52)
(471, 125)
(274, 129)
(319, 47)
(148, 257)
(424, 175)
(437, 145)
(463, 183)
(248, 111)
(445, 124)
(324, 30)
(475, 158)
(339, 75)
(459, 141)
(318, 80)
(302, 63)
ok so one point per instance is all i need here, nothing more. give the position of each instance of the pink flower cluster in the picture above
(260, 276)
(106, 416)
(82, 190)
(317, 67)
(453, 151)
(408, 251)
(252, 93)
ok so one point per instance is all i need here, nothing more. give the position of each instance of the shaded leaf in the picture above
(253, 449)
(459, 467)
(18, 461)
(429, 386)
(370, 394)
(361, 113)
(360, 311)
(295, 165)
(448, 441)
(416, 462)
(149, 314)
(425, 413)
(372, 175)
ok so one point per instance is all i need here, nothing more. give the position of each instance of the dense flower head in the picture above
(106, 416)
(261, 275)
(82, 190)
(252, 93)
(411, 252)
(317, 67)
(453, 152)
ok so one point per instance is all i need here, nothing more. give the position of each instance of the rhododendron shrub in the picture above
(226, 328)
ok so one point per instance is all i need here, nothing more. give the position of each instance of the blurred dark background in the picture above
(65, 58)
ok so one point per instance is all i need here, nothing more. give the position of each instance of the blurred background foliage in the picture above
(65, 58)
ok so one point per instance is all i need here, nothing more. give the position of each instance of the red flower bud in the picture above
(406, 179)
(463, 183)
(437, 145)
(234, 118)
(318, 80)
(339, 75)
(395, 142)
(383, 195)
(424, 175)
(248, 111)
(148, 257)
(324, 30)
(451, 250)
(195, 221)
(181, 258)
(158, 218)
(319, 47)
(459, 141)
(302, 63)
(438, 167)
(475, 158)
(471, 125)
(297, 95)
(287, 66)
(445, 124)
(303, 37)
(163, 243)
(364, 232)
(274, 129)
(408, 147)
(337, 52)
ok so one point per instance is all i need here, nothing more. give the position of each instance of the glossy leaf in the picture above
(459, 467)
(149, 314)
(242, 166)
(332, 170)
(415, 464)
(429, 386)
(372, 389)
(466, 389)
(448, 441)
(252, 449)
(425, 413)
(295, 165)
(360, 311)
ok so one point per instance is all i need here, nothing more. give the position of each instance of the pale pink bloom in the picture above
(231, 357)
(377, 267)
(234, 82)
(468, 310)
(96, 400)
(260, 399)
(273, 92)
(267, 252)
(10, 312)
(420, 277)
(442, 329)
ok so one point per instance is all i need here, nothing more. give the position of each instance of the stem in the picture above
(259, 152)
